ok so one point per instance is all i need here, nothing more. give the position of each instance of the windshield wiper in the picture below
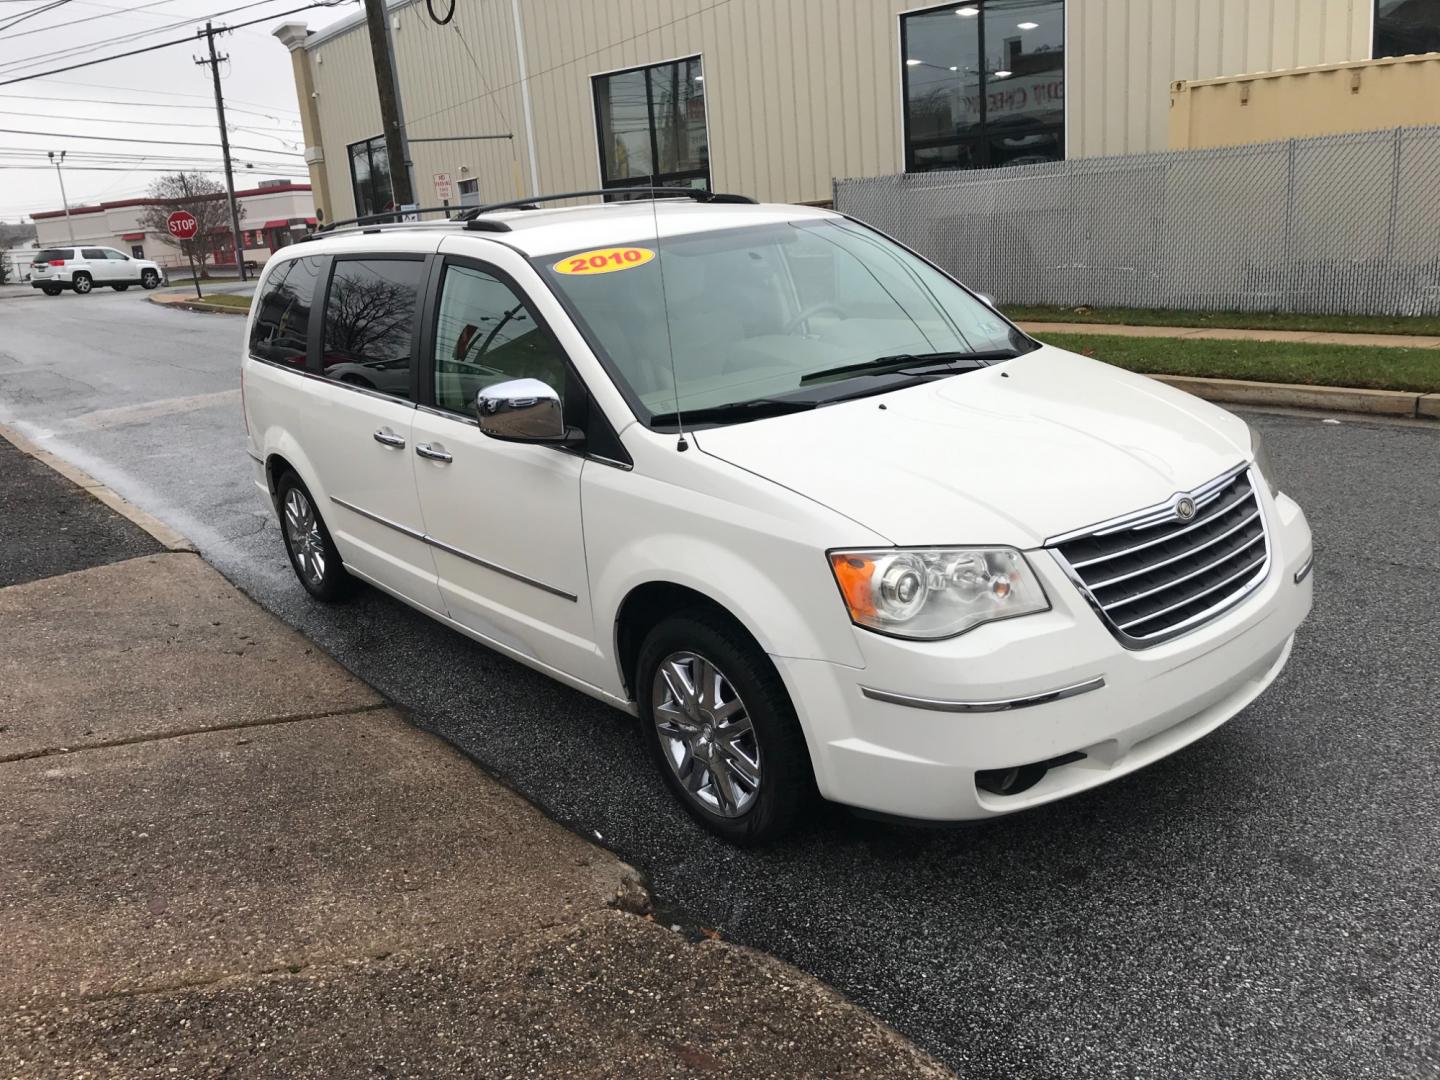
(886, 365)
(753, 409)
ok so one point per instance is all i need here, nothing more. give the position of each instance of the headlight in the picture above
(1262, 463)
(928, 593)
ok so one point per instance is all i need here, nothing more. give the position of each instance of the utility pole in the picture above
(214, 65)
(69, 225)
(397, 148)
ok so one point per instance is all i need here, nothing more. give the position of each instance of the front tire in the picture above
(83, 284)
(721, 728)
(150, 279)
(312, 553)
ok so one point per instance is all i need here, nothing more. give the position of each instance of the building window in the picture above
(984, 84)
(370, 177)
(1404, 27)
(469, 192)
(137, 251)
(651, 125)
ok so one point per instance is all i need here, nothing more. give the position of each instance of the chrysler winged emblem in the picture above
(1184, 508)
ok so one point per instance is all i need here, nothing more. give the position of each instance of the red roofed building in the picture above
(274, 214)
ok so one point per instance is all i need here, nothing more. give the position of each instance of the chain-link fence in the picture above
(1339, 224)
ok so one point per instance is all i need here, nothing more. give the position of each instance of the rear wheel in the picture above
(721, 728)
(83, 284)
(119, 288)
(307, 541)
(149, 279)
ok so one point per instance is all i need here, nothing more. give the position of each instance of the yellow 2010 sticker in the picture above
(604, 260)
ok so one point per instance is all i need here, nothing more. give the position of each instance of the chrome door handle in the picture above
(386, 437)
(425, 450)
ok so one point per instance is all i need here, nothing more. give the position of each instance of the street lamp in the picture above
(69, 225)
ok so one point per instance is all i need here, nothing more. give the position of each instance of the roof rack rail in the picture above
(390, 217)
(530, 202)
(469, 216)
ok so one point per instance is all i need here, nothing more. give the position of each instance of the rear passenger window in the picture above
(487, 335)
(92, 253)
(282, 325)
(370, 322)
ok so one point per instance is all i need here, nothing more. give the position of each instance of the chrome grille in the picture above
(1152, 575)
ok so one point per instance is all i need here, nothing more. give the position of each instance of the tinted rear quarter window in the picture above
(370, 323)
(282, 325)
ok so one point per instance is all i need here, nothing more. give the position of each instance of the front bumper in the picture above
(906, 734)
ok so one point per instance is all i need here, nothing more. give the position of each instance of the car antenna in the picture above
(681, 443)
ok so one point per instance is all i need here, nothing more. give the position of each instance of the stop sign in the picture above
(182, 225)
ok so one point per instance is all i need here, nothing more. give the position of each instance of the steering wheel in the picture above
(809, 313)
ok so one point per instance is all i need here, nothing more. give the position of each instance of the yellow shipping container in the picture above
(1328, 99)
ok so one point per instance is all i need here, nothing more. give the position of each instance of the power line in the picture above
(215, 168)
(91, 46)
(69, 51)
(33, 12)
(116, 157)
(110, 120)
(164, 45)
(177, 93)
(158, 142)
(138, 105)
(91, 18)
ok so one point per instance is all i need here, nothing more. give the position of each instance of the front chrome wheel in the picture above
(302, 532)
(706, 734)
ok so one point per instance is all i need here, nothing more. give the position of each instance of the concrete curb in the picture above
(1345, 399)
(197, 305)
(1222, 333)
(141, 519)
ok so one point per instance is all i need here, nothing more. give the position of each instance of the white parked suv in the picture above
(81, 269)
(821, 518)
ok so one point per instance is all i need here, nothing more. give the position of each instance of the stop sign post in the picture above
(183, 225)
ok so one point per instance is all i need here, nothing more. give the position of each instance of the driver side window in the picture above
(485, 335)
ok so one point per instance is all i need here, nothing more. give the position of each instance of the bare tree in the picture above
(203, 197)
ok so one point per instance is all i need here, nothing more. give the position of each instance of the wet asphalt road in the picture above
(1265, 903)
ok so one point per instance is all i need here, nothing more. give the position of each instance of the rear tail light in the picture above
(57, 262)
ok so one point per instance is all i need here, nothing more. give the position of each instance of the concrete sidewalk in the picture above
(222, 854)
(1211, 333)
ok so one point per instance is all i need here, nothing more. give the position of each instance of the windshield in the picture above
(769, 313)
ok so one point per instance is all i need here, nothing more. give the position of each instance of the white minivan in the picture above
(820, 516)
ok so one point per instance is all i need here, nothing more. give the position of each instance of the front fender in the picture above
(789, 608)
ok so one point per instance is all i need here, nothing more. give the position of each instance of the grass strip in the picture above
(1236, 320)
(225, 300)
(1264, 361)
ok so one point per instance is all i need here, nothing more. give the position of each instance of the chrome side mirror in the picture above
(521, 410)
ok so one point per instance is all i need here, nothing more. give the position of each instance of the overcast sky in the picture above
(157, 95)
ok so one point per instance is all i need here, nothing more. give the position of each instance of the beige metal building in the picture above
(776, 98)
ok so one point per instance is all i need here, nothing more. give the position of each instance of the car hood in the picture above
(1012, 454)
